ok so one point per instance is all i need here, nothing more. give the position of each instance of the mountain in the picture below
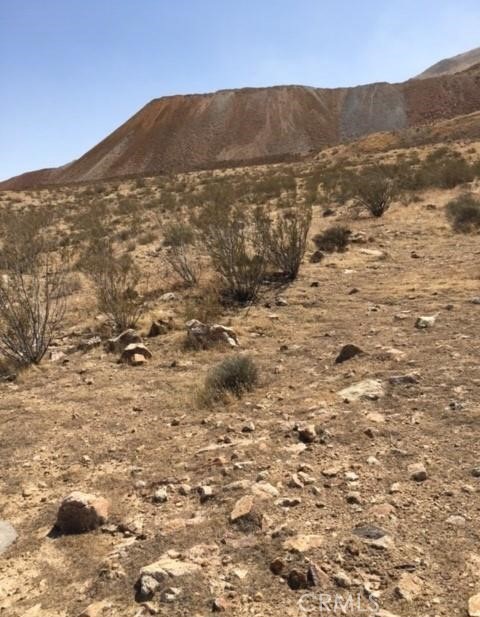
(258, 125)
(456, 64)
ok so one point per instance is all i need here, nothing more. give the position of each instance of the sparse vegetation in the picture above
(234, 375)
(334, 238)
(373, 190)
(179, 240)
(464, 213)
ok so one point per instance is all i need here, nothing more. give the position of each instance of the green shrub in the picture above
(373, 190)
(464, 213)
(334, 238)
(234, 375)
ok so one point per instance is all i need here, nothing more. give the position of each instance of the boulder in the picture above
(474, 606)
(81, 512)
(408, 587)
(303, 543)
(368, 389)
(425, 321)
(117, 344)
(160, 573)
(159, 327)
(8, 535)
(245, 514)
(135, 354)
(203, 336)
(348, 352)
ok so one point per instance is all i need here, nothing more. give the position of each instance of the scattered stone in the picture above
(426, 321)
(219, 605)
(245, 513)
(118, 343)
(307, 434)
(206, 493)
(474, 606)
(456, 521)
(476, 472)
(264, 490)
(398, 380)
(156, 574)
(408, 587)
(417, 472)
(342, 580)
(168, 297)
(160, 495)
(159, 327)
(297, 579)
(354, 498)
(81, 512)
(369, 389)
(96, 609)
(316, 577)
(295, 481)
(8, 535)
(475, 300)
(170, 594)
(203, 336)
(316, 257)
(373, 253)
(303, 543)
(277, 566)
(347, 353)
(288, 502)
(249, 427)
(89, 343)
(135, 354)
(281, 301)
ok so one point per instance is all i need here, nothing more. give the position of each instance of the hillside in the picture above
(456, 64)
(259, 125)
(369, 498)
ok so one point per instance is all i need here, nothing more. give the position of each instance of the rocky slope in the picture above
(449, 66)
(252, 125)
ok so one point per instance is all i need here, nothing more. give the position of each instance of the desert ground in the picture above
(343, 519)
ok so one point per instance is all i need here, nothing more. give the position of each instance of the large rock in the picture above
(8, 535)
(118, 343)
(474, 606)
(368, 389)
(347, 353)
(135, 354)
(160, 574)
(245, 514)
(303, 543)
(408, 587)
(81, 512)
(425, 321)
(203, 336)
(160, 326)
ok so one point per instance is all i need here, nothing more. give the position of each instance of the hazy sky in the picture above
(71, 71)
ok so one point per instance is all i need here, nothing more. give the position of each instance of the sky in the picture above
(71, 71)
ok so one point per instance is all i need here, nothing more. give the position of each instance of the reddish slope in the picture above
(181, 133)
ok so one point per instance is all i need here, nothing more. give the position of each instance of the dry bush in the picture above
(32, 290)
(286, 239)
(464, 213)
(373, 190)
(233, 238)
(334, 238)
(234, 375)
(180, 240)
(116, 280)
(204, 305)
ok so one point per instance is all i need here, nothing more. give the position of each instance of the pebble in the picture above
(417, 472)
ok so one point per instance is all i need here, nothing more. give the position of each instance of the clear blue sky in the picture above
(73, 70)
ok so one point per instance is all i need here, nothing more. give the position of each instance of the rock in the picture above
(368, 389)
(281, 301)
(456, 521)
(408, 587)
(297, 579)
(475, 300)
(89, 343)
(264, 490)
(203, 336)
(160, 495)
(316, 257)
(476, 472)
(474, 606)
(277, 566)
(81, 512)
(417, 472)
(307, 433)
(245, 514)
(398, 380)
(168, 297)
(219, 605)
(288, 502)
(96, 609)
(303, 543)
(342, 580)
(426, 321)
(159, 327)
(249, 427)
(347, 353)
(135, 354)
(373, 253)
(295, 481)
(170, 594)
(159, 573)
(354, 498)
(118, 343)
(56, 355)
(206, 493)
(8, 535)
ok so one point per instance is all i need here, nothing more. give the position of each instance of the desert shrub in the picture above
(204, 305)
(179, 240)
(147, 237)
(233, 238)
(464, 213)
(334, 238)
(32, 294)
(286, 239)
(373, 190)
(116, 280)
(234, 375)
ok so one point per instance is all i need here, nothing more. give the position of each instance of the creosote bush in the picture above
(334, 238)
(464, 213)
(234, 240)
(32, 290)
(286, 239)
(234, 375)
(116, 279)
(179, 240)
(373, 191)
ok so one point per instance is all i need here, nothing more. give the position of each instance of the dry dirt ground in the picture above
(93, 425)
